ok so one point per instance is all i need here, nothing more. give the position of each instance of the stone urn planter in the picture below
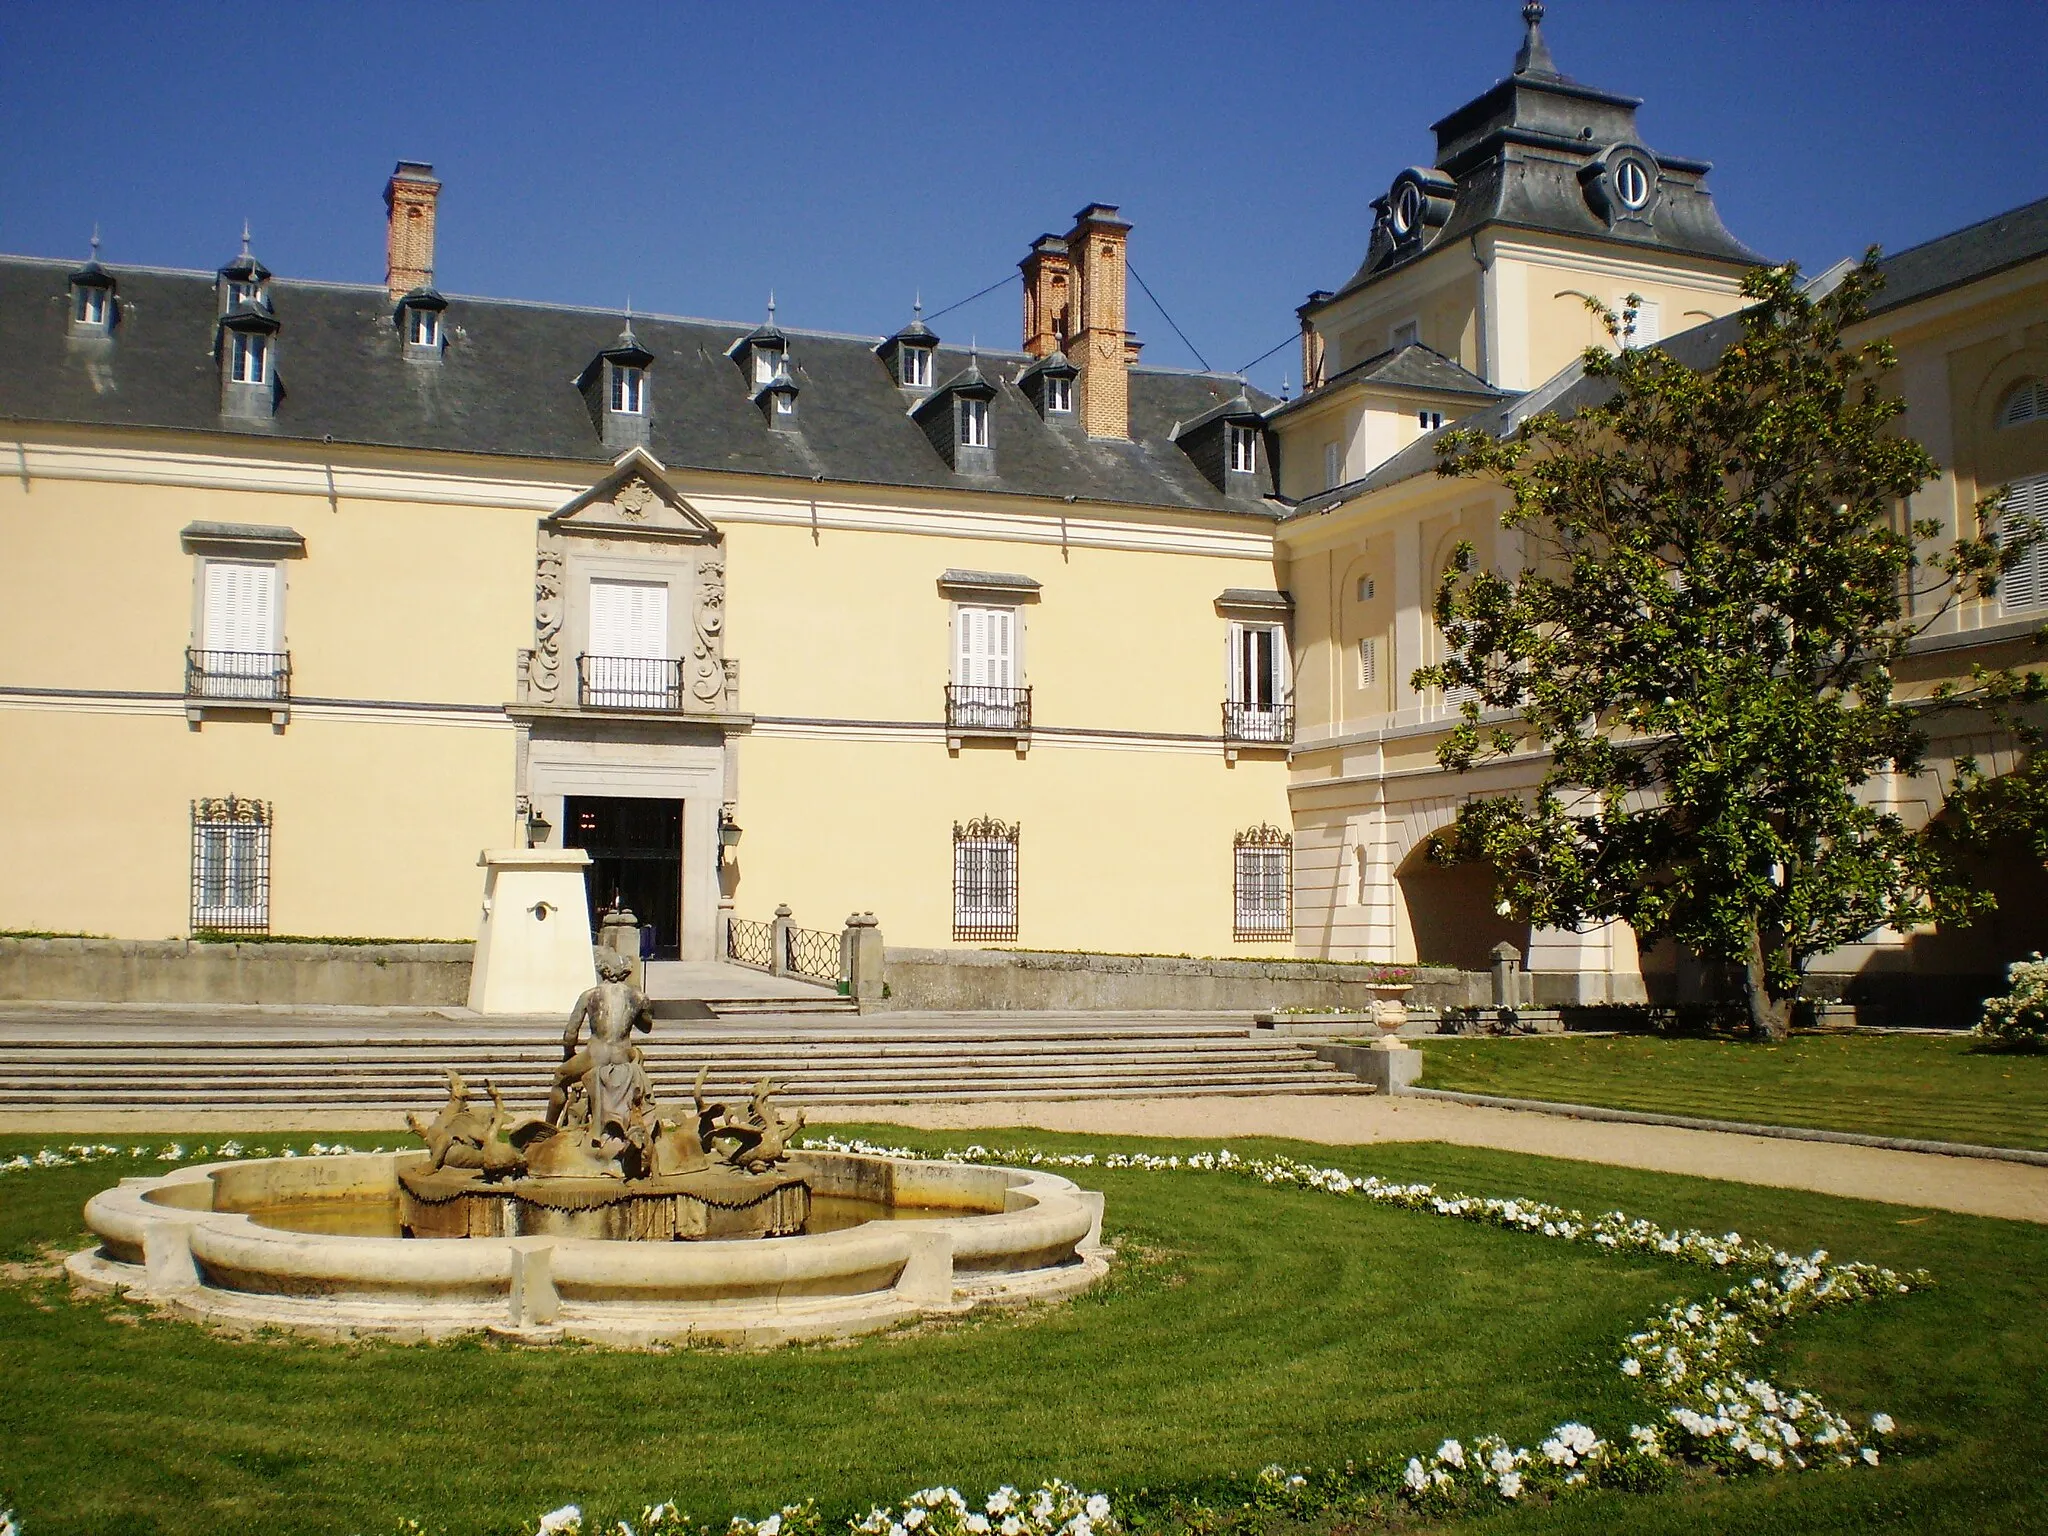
(1390, 1009)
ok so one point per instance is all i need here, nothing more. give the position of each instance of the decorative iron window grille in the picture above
(256, 676)
(231, 866)
(1268, 724)
(977, 707)
(749, 943)
(813, 953)
(1264, 883)
(985, 880)
(629, 682)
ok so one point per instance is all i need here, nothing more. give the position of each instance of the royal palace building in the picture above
(319, 589)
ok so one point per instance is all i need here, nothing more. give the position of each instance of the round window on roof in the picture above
(1406, 213)
(1632, 182)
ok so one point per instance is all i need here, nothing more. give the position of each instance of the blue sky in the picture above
(692, 156)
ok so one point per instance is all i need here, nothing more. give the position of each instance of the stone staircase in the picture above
(305, 1063)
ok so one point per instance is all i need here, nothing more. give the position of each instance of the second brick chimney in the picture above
(410, 197)
(1074, 304)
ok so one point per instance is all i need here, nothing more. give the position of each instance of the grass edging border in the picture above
(1734, 1127)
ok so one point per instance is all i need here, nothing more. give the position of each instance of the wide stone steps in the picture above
(237, 1065)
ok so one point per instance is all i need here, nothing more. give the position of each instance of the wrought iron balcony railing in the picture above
(629, 682)
(257, 677)
(976, 707)
(1259, 724)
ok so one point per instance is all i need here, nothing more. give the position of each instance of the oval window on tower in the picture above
(1406, 214)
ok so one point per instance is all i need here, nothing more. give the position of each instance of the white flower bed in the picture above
(1688, 1360)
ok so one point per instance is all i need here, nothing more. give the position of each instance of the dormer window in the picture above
(1242, 444)
(616, 391)
(766, 361)
(418, 318)
(245, 295)
(1049, 385)
(785, 403)
(973, 423)
(93, 310)
(955, 419)
(1059, 395)
(422, 327)
(249, 359)
(243, 282)
(917, 367)
(629, 389)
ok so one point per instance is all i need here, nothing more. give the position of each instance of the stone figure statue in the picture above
(610, 1069)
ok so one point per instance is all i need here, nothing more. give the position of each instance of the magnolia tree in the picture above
(1717, 590)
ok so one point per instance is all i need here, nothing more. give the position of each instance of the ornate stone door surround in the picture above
(633, 526)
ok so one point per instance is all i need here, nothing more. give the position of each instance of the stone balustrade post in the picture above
(861, 951)
(778, 943)
(1507, 975)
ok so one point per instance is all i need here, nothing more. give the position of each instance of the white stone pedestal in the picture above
(533, 950)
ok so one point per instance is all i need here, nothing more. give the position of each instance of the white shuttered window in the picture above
(629, 665)
(240, 639)
(986, 688)
(2025, 586)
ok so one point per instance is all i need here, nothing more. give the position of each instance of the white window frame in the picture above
(1429, 421)
(1241, 447)
(622, 675)
(1633, 184)
(240, 294)
(247, 350)
(1059, 394)
(2024, 588)
(973, 423)
(1259, 681)
(91, 308)
(629, 390)
(767, 363)
(917, 367)
(237, 672)
(785, 403)
(422, 326)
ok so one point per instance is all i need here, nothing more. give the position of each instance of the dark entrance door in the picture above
(636, 856)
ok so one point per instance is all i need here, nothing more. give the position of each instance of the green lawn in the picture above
(1934, 1087)
(1244, 1325)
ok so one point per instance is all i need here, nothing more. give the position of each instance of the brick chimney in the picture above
(1101, 348)
(409, 199)
(1048, 296)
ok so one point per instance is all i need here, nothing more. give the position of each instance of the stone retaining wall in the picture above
(179, 971)
(936, 980)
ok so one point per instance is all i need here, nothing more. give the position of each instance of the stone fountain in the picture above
(608, 1217)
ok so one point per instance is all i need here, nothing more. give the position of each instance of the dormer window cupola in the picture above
(957, 417)
(418, 318)
(244, 283)
(762, 353)
(909, 353)
(94, 309)
(1049, 385)
(1225, 443)
(617, 391)
(248, 364)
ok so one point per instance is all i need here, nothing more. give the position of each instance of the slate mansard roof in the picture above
(506, 386)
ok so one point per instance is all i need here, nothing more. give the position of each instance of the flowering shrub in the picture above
(98, 1152)
(2018, 1020)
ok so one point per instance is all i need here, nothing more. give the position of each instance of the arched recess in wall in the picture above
(1453, 912)
(2016, 928)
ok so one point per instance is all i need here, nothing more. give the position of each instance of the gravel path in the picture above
(1966, 1185)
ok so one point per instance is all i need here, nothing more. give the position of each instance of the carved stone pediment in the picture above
(635, 501)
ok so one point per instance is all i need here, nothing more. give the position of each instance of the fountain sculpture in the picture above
(605, 1161)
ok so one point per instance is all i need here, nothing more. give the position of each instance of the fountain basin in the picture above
(992, 1236)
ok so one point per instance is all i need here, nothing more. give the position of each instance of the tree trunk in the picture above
(1770, 1017)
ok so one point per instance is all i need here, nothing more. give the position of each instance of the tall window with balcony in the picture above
(231, 865)
(1264, 884)
(986, 693)
(984, 880)
(240, 654)
(1259, 706)
(628, 664)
